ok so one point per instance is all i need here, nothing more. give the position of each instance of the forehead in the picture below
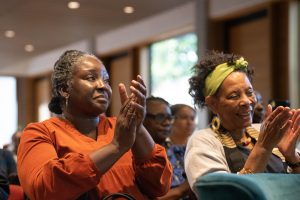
(157, 107)
(235, 81)
(186, 110)
(89, 63)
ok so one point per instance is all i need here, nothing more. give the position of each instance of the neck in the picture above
(236, 134)
(85, 125)
(177, 139)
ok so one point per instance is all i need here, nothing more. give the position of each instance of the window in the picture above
(171, 62)
(8, 107)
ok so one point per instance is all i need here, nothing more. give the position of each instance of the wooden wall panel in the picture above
(121, 72)
(26, 101)
(251, 40)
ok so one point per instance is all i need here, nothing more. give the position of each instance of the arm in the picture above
(45, 175)
(178, 192)
(287, 145)
(124, 137)
(204, 154)
(271, 132)
(144, 143)
(153, 172)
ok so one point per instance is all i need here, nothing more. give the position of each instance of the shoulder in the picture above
(46, 124)
(203, 136)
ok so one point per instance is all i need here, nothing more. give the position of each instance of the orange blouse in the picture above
(54, 163)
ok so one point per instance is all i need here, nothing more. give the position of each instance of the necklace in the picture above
(244, 141)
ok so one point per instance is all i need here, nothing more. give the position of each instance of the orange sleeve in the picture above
(154, 173)
(43, 175)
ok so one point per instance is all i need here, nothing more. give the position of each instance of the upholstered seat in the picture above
(248, 187)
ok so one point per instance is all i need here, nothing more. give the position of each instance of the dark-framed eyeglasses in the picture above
(159, 118)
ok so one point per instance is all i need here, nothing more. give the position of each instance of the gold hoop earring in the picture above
(215, 123)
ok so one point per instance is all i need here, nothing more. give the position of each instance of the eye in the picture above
(106, 80)
(90, 78)
(250, 93)
(233, 96)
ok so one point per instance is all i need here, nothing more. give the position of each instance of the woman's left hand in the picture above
(287, 145)
(138, 93)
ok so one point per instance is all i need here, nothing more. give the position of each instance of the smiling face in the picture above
(90, 92)
(234, 103)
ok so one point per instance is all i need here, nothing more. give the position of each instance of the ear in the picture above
(63, 93)
(212, 103)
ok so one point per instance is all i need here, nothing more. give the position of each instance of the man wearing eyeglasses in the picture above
(158, 120)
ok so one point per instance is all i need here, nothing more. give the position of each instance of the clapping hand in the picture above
(287, 145)
(138, 97)
(125, 131)
(274, 126)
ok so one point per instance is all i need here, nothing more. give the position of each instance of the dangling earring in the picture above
(67, 101)
(215, 124)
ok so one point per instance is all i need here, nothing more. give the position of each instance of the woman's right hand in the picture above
(274, 127)
(125, 131)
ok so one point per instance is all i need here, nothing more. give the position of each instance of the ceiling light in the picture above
(29, 48)
(73, 5)
(128, 9)
(9, 34)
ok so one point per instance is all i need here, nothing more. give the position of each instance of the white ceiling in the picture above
(49, 24)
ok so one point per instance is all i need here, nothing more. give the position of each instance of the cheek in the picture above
(109, 92)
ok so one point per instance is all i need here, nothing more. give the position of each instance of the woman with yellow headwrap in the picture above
(232, 144)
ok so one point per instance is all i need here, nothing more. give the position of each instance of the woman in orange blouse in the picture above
(80, 153)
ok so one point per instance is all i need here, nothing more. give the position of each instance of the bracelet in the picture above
(245, 171)
(293, 165)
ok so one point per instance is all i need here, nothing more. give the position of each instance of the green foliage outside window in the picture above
(171, 63)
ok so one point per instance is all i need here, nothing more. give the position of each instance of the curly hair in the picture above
(62, 75)
(201, 70)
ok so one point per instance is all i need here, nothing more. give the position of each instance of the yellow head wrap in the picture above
(218, 75)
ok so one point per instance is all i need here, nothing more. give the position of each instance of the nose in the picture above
(246, 100)
(168, 121)
(100, 83)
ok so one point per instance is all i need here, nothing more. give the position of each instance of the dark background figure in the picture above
(259, 109)
(159, 119)
(159, 122)
(8, 163)
(4, 186)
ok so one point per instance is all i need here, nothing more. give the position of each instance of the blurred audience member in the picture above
(159, 119)
(259, 109)
(4, 185)
(158, 122)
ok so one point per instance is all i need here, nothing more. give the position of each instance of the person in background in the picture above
(159, 121)
(7, 163)
(259, 109)
(4, 186)
(232, 144)
(182, 128)
(15, 139)
(82, 154)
